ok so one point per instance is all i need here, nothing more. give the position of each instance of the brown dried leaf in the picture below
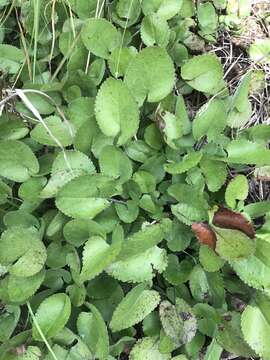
(228, 219)
(205, 234)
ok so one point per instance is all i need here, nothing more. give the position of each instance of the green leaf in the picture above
(207, 17)
(150, 75)
(114, 162)
(141, 267)
(255, 324)
(198, 284)
(127, 12)
(255, 270)
(188, 162)
(102, 345)
(214, 351)
(142, 240)
(127, 212)
(98, 255)
(12, 129)
(11, 58)
(215, 173)
(66, 166)
(237, 189)
(176, 272)
(77, 232)
(172, 128)
(136, 305)
(52, 315)
(230, 336)
(21, 289)
(8, 321)
(155, 31)
(182, 115)
(53, 132)
(163, 8)
(233, 244)
(22, 251)
(85, 196)
(17, 161)
(117, 113)
(178, 321)
(210, 120)
(85, 9)
(147, 348)
(259, 51)
(240, 107)
(81, 110)
(203, 73)
(210, 261)
(120, 59)
(100, 37)
(5, 192)
(247, 152)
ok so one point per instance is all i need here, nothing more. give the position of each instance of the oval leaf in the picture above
(117, 113)
(52, 315)
(135, 306)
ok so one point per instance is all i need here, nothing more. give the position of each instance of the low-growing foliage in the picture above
(127, 226)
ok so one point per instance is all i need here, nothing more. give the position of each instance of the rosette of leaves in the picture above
(106, 168)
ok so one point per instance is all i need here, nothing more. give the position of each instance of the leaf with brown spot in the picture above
(228, 219)
(205, 234)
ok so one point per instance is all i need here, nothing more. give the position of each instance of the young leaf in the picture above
(229, 219)
(116, 111)
(85, 196)
(150, 75)
(178, 321)
(17, 161)
(52, 315)
(135, 306)
(100, 37)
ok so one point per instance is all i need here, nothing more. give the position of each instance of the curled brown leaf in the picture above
(228, 219)
(205, 234)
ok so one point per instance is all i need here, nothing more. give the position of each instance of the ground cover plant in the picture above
(134, 172)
